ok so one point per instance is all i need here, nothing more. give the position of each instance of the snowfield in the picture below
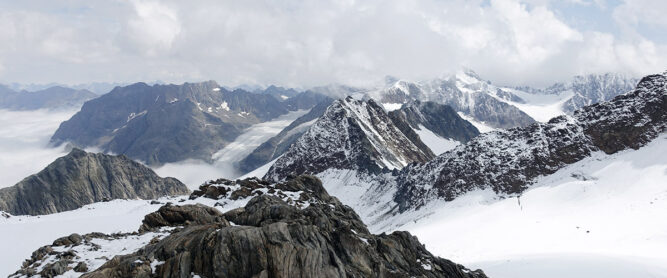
(600, 217)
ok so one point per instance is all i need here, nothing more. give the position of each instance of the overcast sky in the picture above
(306, 43)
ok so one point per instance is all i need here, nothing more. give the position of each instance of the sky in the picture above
(310, 43)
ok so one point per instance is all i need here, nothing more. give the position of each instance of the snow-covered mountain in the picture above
(465, 92)
(490, 106)
(352, 134)
(591, 89)
(507, 161)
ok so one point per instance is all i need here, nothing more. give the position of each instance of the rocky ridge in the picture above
(506, 161)
(352, 134)
(82, 178)
(267, 237)
(279, 144)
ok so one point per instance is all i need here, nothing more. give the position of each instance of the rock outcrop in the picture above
(268, 237)
(82, 178)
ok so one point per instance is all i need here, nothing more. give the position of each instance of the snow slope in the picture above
(434, 142)
(607, 209)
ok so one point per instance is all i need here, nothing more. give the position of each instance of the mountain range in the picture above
(56, 97)
(169, 123)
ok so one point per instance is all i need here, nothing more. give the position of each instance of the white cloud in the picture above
(23, 143)
(297, 43)
(152, 28)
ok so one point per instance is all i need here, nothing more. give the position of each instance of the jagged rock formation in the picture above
(508, 160)
(439, 119)
(56, 97)
(352, 134)
(277, 145)
(168, 123)
(81, 178)
(266, 238)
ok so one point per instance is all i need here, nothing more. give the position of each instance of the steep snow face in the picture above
(352, 134)
(606, 210)
(435, 142)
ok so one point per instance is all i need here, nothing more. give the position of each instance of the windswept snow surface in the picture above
(601, 217)
(195, 172)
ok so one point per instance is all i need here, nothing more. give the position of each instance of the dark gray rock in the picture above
(170, 216)
(82, 178)
(271, 238)
(438, 118)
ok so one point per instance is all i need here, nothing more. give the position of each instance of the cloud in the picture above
(23, 143)
(296, 43)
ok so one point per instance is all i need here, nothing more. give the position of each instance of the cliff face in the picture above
(81, 178)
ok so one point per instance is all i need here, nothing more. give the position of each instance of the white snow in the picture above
(224, 106)
(216, 89)
(541, 107)
(434, 142)
(24, 234)
(482, 127)
(392, 106)
(607, 209)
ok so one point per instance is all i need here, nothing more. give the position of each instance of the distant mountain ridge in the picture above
(168, 123)
(54, 98)
(82, 178)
